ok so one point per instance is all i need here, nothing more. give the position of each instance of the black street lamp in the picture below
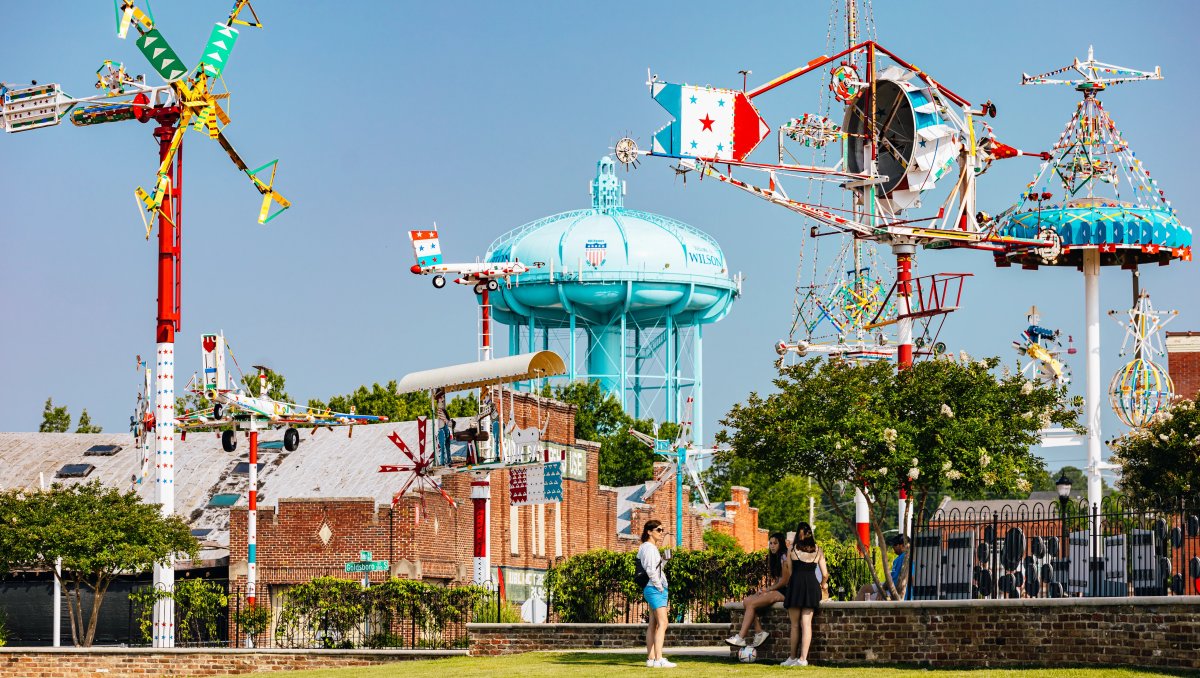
(1063, 485)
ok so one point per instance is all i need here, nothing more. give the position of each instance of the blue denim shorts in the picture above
(654, 597)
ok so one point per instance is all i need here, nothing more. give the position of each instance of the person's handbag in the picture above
(641, 578)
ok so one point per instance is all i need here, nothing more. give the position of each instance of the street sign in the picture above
(368, 566)
(662, 446)
(364, 555)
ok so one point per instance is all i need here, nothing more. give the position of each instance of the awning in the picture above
(485, 373)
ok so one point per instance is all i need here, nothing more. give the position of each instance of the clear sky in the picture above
(483, 116)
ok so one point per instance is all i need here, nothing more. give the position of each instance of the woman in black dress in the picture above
(804, 593)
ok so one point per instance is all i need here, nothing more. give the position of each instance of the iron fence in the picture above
(432, 619)
(1058, 549)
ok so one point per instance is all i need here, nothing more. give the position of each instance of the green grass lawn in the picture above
(537, 665)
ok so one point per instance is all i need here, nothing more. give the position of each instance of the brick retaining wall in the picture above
(497, 639)
(143, 662)
(1160, 632)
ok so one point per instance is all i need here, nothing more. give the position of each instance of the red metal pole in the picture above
(904, 293)
(252, 521)
(169, 241)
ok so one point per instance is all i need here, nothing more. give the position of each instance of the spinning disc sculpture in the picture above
(188, 97)
(1112, 213)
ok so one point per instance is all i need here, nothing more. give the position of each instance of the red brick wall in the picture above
(1158, 632)
(1183, 362)
(142, 662)
(440, 546)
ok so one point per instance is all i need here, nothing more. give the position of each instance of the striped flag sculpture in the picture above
(418, 478)
(426, 248)
(710, 123)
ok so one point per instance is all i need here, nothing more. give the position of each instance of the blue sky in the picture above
(484, 116)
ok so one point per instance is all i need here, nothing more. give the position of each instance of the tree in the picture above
(85, 424)
(940, 425)
(99, 532)
(1161, 462)
(54, 419)
(275, 386)
(598, 413)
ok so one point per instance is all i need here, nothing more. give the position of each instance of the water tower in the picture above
(623, 294)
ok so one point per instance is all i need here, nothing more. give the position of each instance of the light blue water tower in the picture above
(623, 295)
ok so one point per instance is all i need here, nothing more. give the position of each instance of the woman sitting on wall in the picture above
(774, 593)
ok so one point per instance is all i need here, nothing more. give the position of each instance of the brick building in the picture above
(1183, 362)
(344, 507)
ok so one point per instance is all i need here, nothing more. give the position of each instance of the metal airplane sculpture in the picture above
(238, 407)
(483, 275)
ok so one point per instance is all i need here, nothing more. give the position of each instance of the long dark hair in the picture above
(649, 527)
(804, 543)
(775, 561)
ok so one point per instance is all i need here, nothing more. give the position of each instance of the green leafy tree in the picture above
(276, 385)
(719, 541)
(599, 417)
(941, 425)
(380, 401)
(54, 419)
(1162, 460)
(85, 424)
(99, 532)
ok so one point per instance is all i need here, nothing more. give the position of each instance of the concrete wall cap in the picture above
(1128, 601)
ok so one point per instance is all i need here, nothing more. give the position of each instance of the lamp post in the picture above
(1063, 485)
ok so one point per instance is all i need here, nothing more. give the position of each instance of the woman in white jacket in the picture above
(650, 561)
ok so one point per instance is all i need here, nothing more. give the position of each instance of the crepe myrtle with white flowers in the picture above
(952, 425)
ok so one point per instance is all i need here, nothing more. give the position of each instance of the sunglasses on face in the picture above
(658, 529)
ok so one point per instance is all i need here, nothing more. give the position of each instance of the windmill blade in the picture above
(235, 15)
(266, 188)
(697, 484)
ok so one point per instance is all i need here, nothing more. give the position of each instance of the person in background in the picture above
(804, 592)
(775, 592)
(655, 593)
(899, 544)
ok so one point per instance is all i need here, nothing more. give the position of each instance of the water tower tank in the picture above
(623, 294)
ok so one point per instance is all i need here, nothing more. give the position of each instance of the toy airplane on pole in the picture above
(237, 406)
(484, 276)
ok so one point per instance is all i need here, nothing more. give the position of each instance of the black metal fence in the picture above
(1058, 549)
(432, 619)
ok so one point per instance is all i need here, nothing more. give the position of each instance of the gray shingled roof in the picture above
(326, 465)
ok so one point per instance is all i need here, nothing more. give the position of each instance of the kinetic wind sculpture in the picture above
(1142, 388)
(188, 97)
(418, 475)
(1042, 352)
(1112, 213)
(686, 458)
(903, 133)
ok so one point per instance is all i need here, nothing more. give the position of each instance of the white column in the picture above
(57, 604)
(163, 634)
(1091, 292)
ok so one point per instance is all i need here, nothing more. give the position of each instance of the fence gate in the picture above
(927, 565)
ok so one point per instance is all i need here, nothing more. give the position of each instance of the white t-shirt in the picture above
(651, 561)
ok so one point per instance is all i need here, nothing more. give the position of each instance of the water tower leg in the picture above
(623, 379)
(571, 366)
(669, 381)
(1091, 292)
(697, 391)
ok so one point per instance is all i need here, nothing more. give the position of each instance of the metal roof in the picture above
(329, 464)
(485, 373)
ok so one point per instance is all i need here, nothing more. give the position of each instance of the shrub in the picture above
(253, 620)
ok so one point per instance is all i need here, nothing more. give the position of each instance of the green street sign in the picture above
(216, 52)
(364, 555)
(160, 55)
(368, 566)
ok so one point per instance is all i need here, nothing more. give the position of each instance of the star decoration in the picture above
(707, 122)
(693, 99)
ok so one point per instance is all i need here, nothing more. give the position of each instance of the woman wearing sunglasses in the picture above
(653, 580)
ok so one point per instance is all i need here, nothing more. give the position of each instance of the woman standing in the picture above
(776, 592)
(650, 562)
(804, 593)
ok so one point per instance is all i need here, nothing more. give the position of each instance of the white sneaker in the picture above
(759, 638)
(790, 661)
(664, 664)
(736, 640)
(801, 662)
(651, 663)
